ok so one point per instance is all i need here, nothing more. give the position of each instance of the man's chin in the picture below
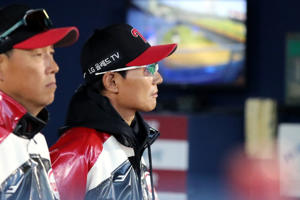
(49, 101)
(150, 108)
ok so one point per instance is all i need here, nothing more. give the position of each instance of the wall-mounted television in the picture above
(211, 37)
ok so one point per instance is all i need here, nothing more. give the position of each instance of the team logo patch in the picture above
(136, 34)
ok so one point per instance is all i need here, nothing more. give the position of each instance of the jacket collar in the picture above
(14, 118)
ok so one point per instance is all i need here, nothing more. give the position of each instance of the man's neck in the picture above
(32, 109)
(126, 114)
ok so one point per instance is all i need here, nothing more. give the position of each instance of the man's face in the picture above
(28, 76)
(138, 90)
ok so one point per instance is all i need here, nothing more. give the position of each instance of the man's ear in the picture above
(109, 82)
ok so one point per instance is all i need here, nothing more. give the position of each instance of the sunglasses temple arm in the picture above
(119, 70)
(11, 29)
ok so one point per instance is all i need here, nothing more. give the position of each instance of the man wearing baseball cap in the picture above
(99, 155)
(27, 85)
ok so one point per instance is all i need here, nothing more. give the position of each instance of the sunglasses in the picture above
(37, 20)
(149, 69)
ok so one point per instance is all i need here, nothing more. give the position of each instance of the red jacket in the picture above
(92, 165)
(24, 156)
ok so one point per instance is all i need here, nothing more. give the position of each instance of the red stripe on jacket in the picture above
(72, 157)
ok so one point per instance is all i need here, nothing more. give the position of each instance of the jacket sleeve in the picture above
(72, 157)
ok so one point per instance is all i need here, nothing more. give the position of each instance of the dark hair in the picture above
(98, 84)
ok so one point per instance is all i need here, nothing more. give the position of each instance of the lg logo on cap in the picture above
(136, 34)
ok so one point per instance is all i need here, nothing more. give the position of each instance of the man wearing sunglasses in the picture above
(99, 155)
(27, 85)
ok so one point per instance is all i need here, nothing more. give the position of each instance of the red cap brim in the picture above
(59, 37)
(153, 54)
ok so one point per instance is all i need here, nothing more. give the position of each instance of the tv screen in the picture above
(211, 38)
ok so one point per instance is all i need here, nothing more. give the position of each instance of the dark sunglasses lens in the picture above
(38, 21)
